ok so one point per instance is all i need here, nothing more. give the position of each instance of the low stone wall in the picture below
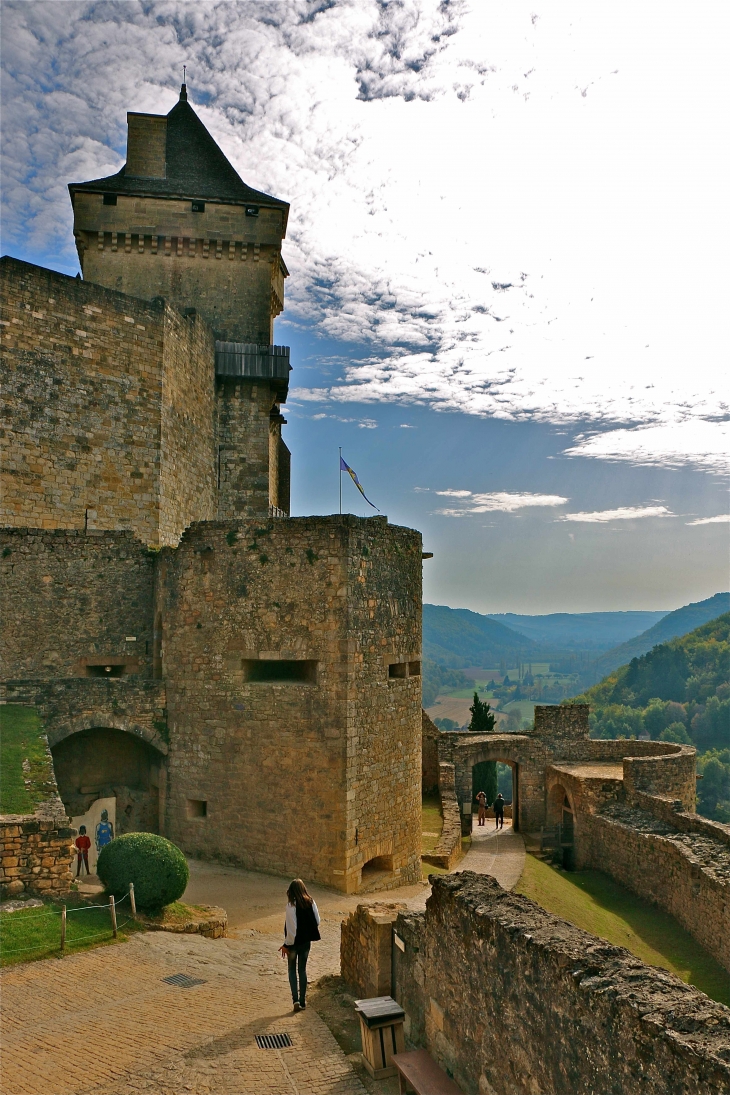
(448, 850)
(35, 854)
(671, 811)
(366, 945)
(511, 999)
(210, 921)
(686, 873)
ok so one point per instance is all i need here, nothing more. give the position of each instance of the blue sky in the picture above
(507, 249)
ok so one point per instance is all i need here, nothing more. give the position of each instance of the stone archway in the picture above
(524, 756)
(98, 761)
(561, 816)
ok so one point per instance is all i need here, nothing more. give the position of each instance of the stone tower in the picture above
(178, 222)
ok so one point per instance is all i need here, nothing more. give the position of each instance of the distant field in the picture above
(593, 901)
(525, 708)
(450, 707)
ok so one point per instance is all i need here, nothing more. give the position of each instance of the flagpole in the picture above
(339, 468)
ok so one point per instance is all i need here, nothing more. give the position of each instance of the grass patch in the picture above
(29, 934)
(177, 914)
(593, 901)
(432, 821)
(22, 740)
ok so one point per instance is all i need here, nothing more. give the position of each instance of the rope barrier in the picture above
(69, 909)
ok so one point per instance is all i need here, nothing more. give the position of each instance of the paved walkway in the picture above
(105, 1022)
(500, 853)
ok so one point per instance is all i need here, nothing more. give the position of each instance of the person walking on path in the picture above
(499, 812)
(301, 929)
(482, 800)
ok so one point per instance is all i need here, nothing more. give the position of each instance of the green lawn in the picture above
(431, 823)
(33, 933)
(21, 740)
(593, 901)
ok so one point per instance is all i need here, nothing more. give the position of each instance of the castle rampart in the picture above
(113, 415)
(510, 998)
(292, 663)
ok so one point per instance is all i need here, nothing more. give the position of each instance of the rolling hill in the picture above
(456, 637)
(580, 630)
(679, 622)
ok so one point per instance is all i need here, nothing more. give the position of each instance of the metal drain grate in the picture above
(273, 1041)
(183, 981)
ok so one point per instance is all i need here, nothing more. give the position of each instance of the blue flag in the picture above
(356, 481)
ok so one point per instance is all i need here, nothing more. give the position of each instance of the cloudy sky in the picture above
(508, 254)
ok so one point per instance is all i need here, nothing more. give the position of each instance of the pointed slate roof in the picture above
(196, 168)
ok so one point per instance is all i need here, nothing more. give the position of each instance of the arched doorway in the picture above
(106, 763)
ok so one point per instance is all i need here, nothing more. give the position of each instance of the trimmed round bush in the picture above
(155, 866)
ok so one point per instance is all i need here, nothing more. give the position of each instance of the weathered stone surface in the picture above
(366, 949)
(512, 999)
(448, 850)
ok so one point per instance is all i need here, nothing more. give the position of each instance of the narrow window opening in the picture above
(252, 210)
(414, 669)
(198, 207)
(398, 670)
(197, 807)
(109, 199)
(105, 670)
(274, 671)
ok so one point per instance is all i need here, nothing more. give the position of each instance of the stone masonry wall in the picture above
(35, 856)
(342, 745)
(511, 999)
(366, 949)
(244, 409)
(686, 873)
(73, 599)
(448, 850)
(109, 420)
(220, 261)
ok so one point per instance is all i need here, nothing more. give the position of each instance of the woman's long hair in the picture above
(297, 894)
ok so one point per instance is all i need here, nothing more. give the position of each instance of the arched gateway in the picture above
(525, 757)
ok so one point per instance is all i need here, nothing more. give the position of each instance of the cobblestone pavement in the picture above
(103, 1022)
(500, 853)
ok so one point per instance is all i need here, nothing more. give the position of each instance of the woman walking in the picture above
(301, 929)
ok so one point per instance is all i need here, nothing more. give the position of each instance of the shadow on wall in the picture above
(105, 763)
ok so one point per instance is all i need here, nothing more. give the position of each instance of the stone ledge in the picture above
(208, 920)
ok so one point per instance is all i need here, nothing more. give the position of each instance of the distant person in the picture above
(482, 800)
(499, 812)
(83, 843)
(301, 929)
(104, 831)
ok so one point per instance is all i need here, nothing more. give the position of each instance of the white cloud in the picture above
(623, 513)
(479, 198)
(722, 518)
(497, 501)
(692, 441)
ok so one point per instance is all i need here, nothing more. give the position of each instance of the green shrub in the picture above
(155, 866)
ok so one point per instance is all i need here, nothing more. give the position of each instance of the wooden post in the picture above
(132, 902)
(113, 911)
(63, 929)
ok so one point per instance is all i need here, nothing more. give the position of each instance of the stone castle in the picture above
(244, 682)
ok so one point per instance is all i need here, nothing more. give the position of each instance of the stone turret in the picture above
(177, 221)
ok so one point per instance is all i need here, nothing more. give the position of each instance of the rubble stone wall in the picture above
(72, 599)
(510, 998)
(685, 873)
(448, 850)
(366, 949)
(429, 754)
(110, 420)
(343, 595)
(35, 856)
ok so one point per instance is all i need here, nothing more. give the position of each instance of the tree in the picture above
(482, 719)
(484, 778)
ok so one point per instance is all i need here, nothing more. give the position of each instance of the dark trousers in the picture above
(298, 964)
(499, 819)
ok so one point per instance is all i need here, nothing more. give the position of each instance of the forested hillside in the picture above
(456, 637)
(679, 691)
(679, 622)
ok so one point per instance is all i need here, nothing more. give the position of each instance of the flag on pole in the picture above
(356, 481)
